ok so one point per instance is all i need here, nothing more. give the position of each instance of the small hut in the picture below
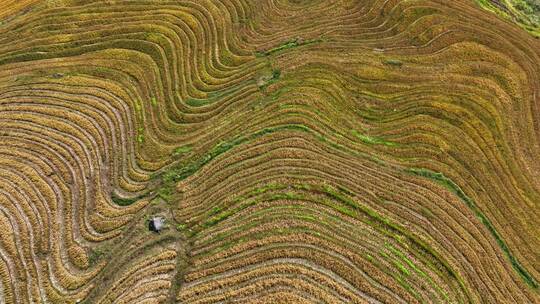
(156, 224)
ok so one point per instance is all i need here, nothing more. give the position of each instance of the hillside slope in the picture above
(334, 151)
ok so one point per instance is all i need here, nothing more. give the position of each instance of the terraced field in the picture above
(300, 151)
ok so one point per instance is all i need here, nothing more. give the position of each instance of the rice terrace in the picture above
(269, 151)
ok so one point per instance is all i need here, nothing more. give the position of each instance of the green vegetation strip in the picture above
(370, 140)
(293, 43)
(403, 257)
(212, 97)
(454, 188)
(182, 150)
(120, 201)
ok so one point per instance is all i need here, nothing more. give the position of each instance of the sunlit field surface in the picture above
(269, 151)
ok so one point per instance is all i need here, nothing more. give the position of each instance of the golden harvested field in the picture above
(284, 151)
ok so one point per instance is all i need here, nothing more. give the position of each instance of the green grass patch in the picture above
(182, 150)
(393, 62)
(401, 267)
(293, 43)
(140, 135)
(125, 201)
(266, 80)
(138, 109)
(213, 97)
(411, 265)
(227, 213)
(194, 102)
(95, 254)
(370, 140)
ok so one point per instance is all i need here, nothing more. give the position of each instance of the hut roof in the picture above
(156, 223)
